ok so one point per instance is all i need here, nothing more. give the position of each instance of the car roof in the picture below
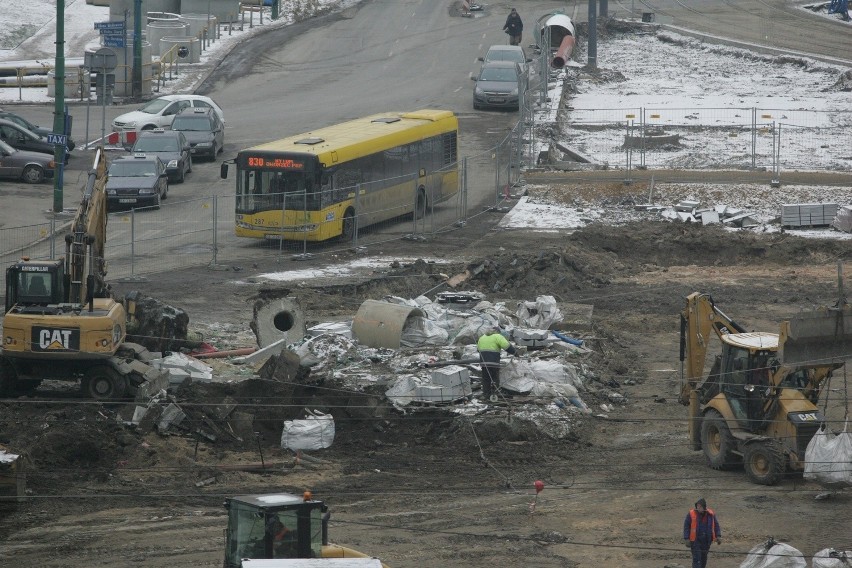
(500, 63)
(160, 133)
(499, 47)
(201, 111)
(17, 126)
(137, 159)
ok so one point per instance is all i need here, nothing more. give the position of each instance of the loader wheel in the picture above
(764, 462)
(718, 442)
(104, 383)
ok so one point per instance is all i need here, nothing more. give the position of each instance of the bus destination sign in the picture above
(274, 163)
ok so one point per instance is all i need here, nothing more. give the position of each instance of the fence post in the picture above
(628, 150)
(357, 213)
(281, 228)
(133, 242)
(53, 237)
(753, 137)
(497, 176)
(642, 133)
(776, 156)
(215, 230)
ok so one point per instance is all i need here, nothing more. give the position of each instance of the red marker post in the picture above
(539, 487)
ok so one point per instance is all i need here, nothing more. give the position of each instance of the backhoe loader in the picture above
(279, 526)
(61, 321)
(758, 404)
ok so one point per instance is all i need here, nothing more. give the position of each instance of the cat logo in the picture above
(55, 339)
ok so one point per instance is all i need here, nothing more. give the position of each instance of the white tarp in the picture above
(830, 558)
(315, 432)
(774, 555)
(828, 459)
(540, 314)
(419, 331)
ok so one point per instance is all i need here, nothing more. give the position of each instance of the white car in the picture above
(160, 112)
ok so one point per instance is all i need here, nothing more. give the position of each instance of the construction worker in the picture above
(490, 345)
(700, 529)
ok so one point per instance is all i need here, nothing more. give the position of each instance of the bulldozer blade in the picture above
(817, 338)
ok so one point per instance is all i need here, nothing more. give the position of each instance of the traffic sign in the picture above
(109, 25)
(113, 41)
(58, 139)
(100, 61)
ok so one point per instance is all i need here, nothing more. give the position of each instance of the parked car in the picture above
(32, 167)
(507, 53)
(170, 146)
(203, 130)
(20, 138)
(497, 85)
(34, 128)
(160, 112)
(140, 179)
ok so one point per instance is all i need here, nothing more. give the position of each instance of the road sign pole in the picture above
(59, 104)
(137, 48)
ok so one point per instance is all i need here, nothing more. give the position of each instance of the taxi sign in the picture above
(57, 139)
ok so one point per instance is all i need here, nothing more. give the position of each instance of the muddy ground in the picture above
(431, 488)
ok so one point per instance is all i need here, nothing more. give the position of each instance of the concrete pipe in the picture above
(559, 27)
(380, 324)
(191, 43)
(159, 29)
(224, 10)
(278, 319)
(162, 17)
(198, 23)
(118, 8)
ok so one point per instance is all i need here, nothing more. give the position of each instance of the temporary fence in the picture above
(708, 138)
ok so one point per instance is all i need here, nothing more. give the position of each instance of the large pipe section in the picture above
(560, 30)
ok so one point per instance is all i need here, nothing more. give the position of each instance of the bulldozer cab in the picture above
(34, 284)
(279, 525)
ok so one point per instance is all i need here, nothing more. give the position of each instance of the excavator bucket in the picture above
(817, 338)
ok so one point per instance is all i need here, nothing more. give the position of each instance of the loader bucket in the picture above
(817, 338)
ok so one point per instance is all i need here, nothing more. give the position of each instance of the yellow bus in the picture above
(313, 186)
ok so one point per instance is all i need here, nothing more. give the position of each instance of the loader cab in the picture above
(746, 375)
(30, 283)
(278, 525)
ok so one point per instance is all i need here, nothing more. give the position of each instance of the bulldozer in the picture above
(279, 526)
(758, 404)
(61, 321)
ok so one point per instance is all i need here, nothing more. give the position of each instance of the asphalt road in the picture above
(374, 57)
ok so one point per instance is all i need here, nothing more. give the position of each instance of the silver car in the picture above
(32, 167)
(507, 53)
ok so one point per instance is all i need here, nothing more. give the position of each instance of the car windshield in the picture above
(156, 144)
(498, 74)
(155, 106)
(131, 168)
(505, 55)
(197, 123)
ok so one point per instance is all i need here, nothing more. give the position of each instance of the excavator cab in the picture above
(279, 525)
(30, 283)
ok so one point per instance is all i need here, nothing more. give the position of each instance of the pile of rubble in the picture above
(400, 355)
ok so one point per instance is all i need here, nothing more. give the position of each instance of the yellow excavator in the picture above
(60, 319)
(279, 526)
(758, 404)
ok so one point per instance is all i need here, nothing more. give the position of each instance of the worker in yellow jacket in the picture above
(490, 345)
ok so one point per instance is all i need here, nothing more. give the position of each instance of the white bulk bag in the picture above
(315, 432)
(830, 558)
(828, 458)
(773, 554)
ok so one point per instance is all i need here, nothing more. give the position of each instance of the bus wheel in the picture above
(420, 210)
(348, 233)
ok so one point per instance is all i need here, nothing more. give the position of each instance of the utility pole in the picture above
(593, 35)
(59, 105)
(137, 49)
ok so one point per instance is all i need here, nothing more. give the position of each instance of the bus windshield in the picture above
(260, 190)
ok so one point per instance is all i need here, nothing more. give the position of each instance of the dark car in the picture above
(138, 180)
(20, 138)
(203, 130)
(170, 146)
(497, 85)
(32, 167)
(34, 128)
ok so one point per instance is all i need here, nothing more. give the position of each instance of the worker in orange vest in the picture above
(700, 529)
